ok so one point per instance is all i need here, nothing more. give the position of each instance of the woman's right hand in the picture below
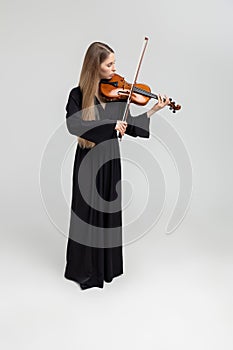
(121, 126)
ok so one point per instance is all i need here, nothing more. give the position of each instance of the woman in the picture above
(94, 247)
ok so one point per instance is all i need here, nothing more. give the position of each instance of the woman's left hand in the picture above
(162, 101)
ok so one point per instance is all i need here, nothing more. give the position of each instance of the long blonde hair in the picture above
(96, 53)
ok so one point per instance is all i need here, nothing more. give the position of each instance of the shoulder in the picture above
(74, 102)
(74, 99)
(75, 93)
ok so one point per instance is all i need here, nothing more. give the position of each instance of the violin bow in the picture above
(134, 82)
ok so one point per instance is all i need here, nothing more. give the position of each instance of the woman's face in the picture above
(107, 67)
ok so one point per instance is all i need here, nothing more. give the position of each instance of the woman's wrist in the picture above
(152, 111)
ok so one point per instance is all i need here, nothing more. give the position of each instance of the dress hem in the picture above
(84, 285)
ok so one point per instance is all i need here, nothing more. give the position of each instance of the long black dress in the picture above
(94, 247)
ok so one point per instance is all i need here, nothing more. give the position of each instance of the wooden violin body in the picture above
(117, 88)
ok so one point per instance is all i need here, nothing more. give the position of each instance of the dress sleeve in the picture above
(138, 125)
(92, 130)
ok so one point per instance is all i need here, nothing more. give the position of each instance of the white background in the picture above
(176, 291)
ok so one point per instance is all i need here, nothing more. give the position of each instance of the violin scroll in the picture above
(172, 106)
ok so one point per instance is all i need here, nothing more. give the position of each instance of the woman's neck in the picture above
(100, 98)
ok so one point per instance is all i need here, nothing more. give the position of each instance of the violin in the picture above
(117, 88)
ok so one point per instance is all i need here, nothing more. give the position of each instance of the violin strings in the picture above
(144, 92)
